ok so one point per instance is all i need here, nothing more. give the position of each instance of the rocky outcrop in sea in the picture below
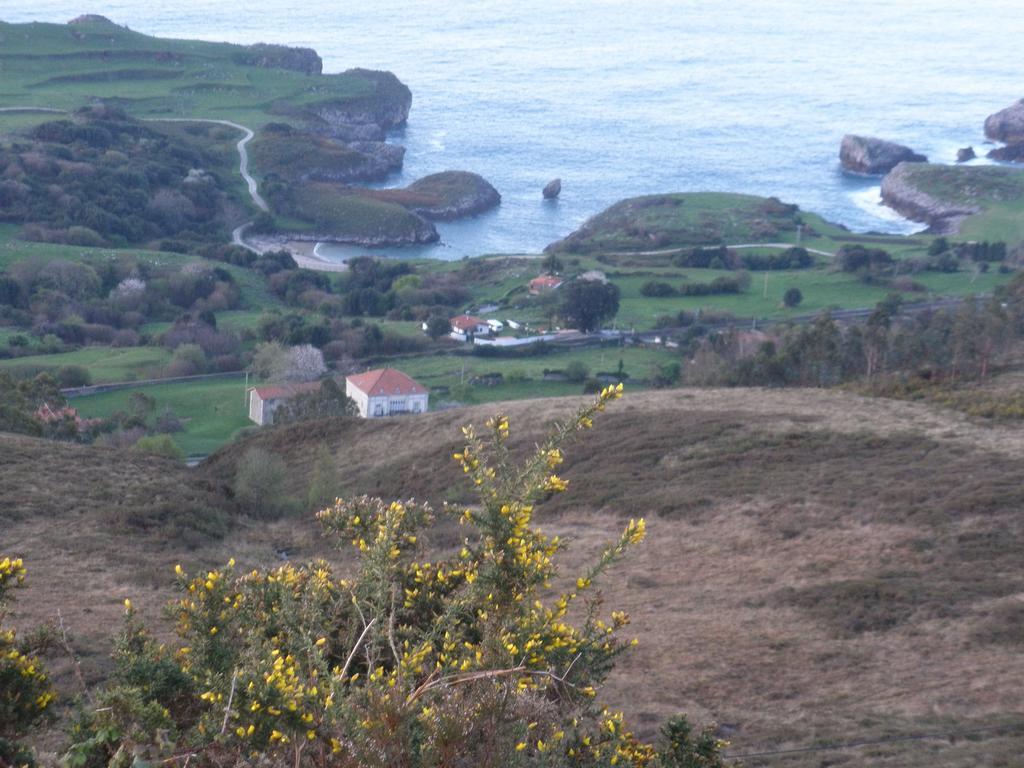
(964, 154)
(901, 194)
(1007, 125)
(552, 189)
(452, 195)
(872, 156)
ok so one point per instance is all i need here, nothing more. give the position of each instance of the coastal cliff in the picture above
(365, 118)
(902, 190)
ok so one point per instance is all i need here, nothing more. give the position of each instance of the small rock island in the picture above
(874, 157)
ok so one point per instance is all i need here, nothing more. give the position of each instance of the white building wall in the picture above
(360, 398)
(393, 405)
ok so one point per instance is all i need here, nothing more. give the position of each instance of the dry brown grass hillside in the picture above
(820, 568)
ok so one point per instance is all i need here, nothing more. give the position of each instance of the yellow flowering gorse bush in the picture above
(25, 692)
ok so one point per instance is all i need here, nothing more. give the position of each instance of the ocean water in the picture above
(622, 98)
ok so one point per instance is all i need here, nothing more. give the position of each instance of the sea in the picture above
(630, 97)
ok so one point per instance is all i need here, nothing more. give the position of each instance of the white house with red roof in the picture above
(263, 401)
(465, 327)
(386, 392)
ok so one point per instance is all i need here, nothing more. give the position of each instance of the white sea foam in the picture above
(869, 200)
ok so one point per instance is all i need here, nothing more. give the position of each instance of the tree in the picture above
(586, 304)
(551, 264)
(275, 362)
(938, 245)
(438, 326)
(329, 401)
(325, 486)
(792, 297)
(260, 484)
(576, 371)
(304, 363)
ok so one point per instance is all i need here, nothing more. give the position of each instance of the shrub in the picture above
(25, 693)
(73, 376)
(576, 371)
(657, 289)
(324, 486)
(792, 297)
(260, 484)
(160, 445)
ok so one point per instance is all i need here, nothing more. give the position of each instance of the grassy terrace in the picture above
(65, 66)
(105, 364)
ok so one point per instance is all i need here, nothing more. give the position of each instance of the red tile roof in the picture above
(386, 381)
(467, 322)
(277, 391)
(546, 281)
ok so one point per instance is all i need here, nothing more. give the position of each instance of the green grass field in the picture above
(822, 289)
(105, 364)
(212, 411)
(64, 67)
(524, 376)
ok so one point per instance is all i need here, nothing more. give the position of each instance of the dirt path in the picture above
(738, 246)
(243, 153)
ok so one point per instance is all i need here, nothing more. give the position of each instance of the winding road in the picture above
(243, 153)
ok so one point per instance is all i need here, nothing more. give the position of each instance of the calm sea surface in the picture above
(628, 98)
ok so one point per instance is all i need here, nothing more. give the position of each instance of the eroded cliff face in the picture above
(366, 118)
(269, 56)
(872, 156)
(423, 234)
(901, 193)
(379, 161)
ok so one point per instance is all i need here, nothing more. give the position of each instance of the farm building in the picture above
(263, 401)
(386, 392)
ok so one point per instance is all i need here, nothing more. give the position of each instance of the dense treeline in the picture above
(721, 257)
(718, 286)
(102, 178)
(959, 344)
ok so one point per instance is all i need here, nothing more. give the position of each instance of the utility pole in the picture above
(766, 285)
(245, 394)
